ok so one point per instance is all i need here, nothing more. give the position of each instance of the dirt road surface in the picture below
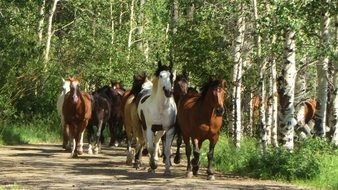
(48, 166)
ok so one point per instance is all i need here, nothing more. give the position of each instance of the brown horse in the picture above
(200, 118)
(305, 114)
(77, 110)
(180, 89)
(131, 121)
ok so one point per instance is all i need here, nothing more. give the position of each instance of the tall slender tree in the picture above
(322, 73)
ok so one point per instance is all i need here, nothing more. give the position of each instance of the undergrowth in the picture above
(313, 162)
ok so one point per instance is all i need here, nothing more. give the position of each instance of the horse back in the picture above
(310, 106)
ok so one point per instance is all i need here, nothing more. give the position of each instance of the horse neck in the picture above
(207, 105)
(157, 95)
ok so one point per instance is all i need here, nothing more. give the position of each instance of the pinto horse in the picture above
(200, 118)
(131, 121)
(59, 104)
(157, 112)
(77, 111)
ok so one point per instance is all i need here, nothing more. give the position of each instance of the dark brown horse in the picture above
(100, 115)
(180, 89)
(200, 118)
(77, 111)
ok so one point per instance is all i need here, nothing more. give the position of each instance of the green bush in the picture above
(314, 162)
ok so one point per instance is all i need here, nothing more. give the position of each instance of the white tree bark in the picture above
(131, 28)
(49, 31)
(41, 21)
(335, 95)
(322, 73)
(237, 78)
(288, 88)
(262, 115)
(112, 32)
(274, 122)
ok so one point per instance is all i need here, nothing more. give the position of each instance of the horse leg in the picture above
(167, 151)
(81, 131)
(90, 138)
(195, 161)
(210, 159)
(138, 155)
(177, 158)
(188, 154)
(98, 136)
(163, 139)
(129, 150)
(111, 131)
(151, 149)
(66, 138)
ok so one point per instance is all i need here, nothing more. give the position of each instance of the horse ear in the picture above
(63, 80)
(223, 83)
(159, 64)
(174, 75)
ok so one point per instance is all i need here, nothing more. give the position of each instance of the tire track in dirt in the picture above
(48, 166)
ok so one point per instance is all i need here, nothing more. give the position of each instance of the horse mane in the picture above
(155, 83)
(182, 77)
(139, 79)
(210, 84)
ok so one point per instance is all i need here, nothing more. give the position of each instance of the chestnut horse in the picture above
(157, 112)
(77, 111)
(200, 118)
(131, 121)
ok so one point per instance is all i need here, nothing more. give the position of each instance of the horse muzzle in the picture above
(167, 93)
(219, 111)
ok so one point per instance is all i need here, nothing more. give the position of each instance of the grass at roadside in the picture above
(38, 130)
(314, 162)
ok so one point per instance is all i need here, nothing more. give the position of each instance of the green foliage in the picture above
(314, 162)
(39, 130)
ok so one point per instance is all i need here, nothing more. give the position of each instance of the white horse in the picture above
(157, 113)
(65, 89)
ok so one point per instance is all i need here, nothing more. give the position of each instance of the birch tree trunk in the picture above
(262, 116)
(237, 78)
(322, 73)
(131, 29)
(287, 89)
(42, 20)
(49, 32)
(173, 27)
(274, 114)
(112, 31)
(335, 79)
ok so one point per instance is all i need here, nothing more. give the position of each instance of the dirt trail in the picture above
(47, 166)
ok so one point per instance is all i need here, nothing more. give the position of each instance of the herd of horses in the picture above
(154, 109)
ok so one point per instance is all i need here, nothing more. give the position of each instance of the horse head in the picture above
(180, 86)
(164, 78)
(138, 81)
(215, 89)
(74, 88)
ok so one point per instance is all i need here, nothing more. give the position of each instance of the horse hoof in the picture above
(167, 173)
(151, 171)
(153, 165)
(177, 159)
(211, 177)
(189, 174)
(136, 165)
(90, 151)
